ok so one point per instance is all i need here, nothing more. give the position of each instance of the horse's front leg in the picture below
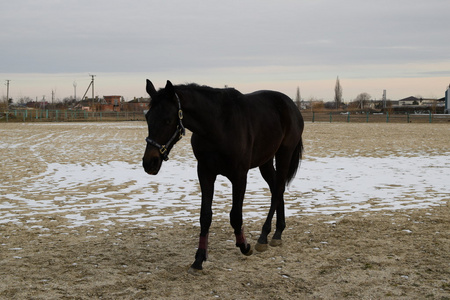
(207, 188)
(236, 215)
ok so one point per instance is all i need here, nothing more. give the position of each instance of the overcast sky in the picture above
(400, 46)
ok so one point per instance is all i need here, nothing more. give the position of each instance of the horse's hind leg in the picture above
(277, 182)
(283, 160)
(281, 223)
(268, 173)
(239, 186)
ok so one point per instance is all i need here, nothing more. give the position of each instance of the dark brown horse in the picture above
(231, 133)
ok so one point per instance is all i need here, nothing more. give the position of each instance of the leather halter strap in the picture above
(177, 135)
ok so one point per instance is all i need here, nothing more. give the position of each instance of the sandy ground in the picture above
(402, 254)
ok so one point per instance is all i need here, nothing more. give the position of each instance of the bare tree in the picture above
(362, 99)
(24, 100)
(3, 103)
(338, 93)
(298, 99)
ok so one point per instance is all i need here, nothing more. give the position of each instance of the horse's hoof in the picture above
(276, 242)
(261, 247)
(195, 272)
(249, 252)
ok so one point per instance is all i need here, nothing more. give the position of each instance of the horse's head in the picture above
(165, 126)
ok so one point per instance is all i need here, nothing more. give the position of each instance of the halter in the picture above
(177, 135)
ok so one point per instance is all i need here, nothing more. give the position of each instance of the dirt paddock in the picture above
(383, 254)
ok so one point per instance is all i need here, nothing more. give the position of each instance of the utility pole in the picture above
(75, 90)
(7, 94)
(92, 82)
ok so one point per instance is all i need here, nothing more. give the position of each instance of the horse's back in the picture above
(274, 120)
(273, 102)
(250, 129)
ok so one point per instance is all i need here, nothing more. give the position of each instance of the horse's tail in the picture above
(295, 161)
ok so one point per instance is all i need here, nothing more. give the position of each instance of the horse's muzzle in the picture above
(152, 164)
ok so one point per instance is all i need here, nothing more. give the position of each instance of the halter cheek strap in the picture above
(177, 135)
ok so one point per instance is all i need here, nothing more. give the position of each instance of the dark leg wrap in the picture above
(203, 242)
(241, 242)
(200, 257)
(202, 253)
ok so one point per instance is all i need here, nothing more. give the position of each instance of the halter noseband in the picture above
(177, 135)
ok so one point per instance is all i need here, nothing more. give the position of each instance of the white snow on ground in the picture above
(119, 191)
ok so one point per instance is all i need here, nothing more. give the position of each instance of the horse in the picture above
(231, 134)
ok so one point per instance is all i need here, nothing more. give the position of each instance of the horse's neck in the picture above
(200, 112)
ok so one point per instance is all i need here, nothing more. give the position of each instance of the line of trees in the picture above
(362, 101)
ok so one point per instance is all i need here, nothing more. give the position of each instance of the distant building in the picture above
(111, 103)
(137, 104)
(421, 101)
(420, 105)
(411, 100)
(37, 104)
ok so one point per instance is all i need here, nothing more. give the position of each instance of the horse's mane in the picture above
(214, 92)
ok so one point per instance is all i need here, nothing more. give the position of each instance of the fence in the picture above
(22, 115)
(374, 118)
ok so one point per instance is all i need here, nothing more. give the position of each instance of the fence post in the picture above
(313, 117)
(330, 118)
(430, 117)
(367, 117)
(387, 117)
(348, 117)
(407, 117)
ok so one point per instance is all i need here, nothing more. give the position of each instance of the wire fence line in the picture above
(332, 117)
(69, 116)
(22, 115)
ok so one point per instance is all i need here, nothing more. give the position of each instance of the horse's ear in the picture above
(169, 87)
(150, 89)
